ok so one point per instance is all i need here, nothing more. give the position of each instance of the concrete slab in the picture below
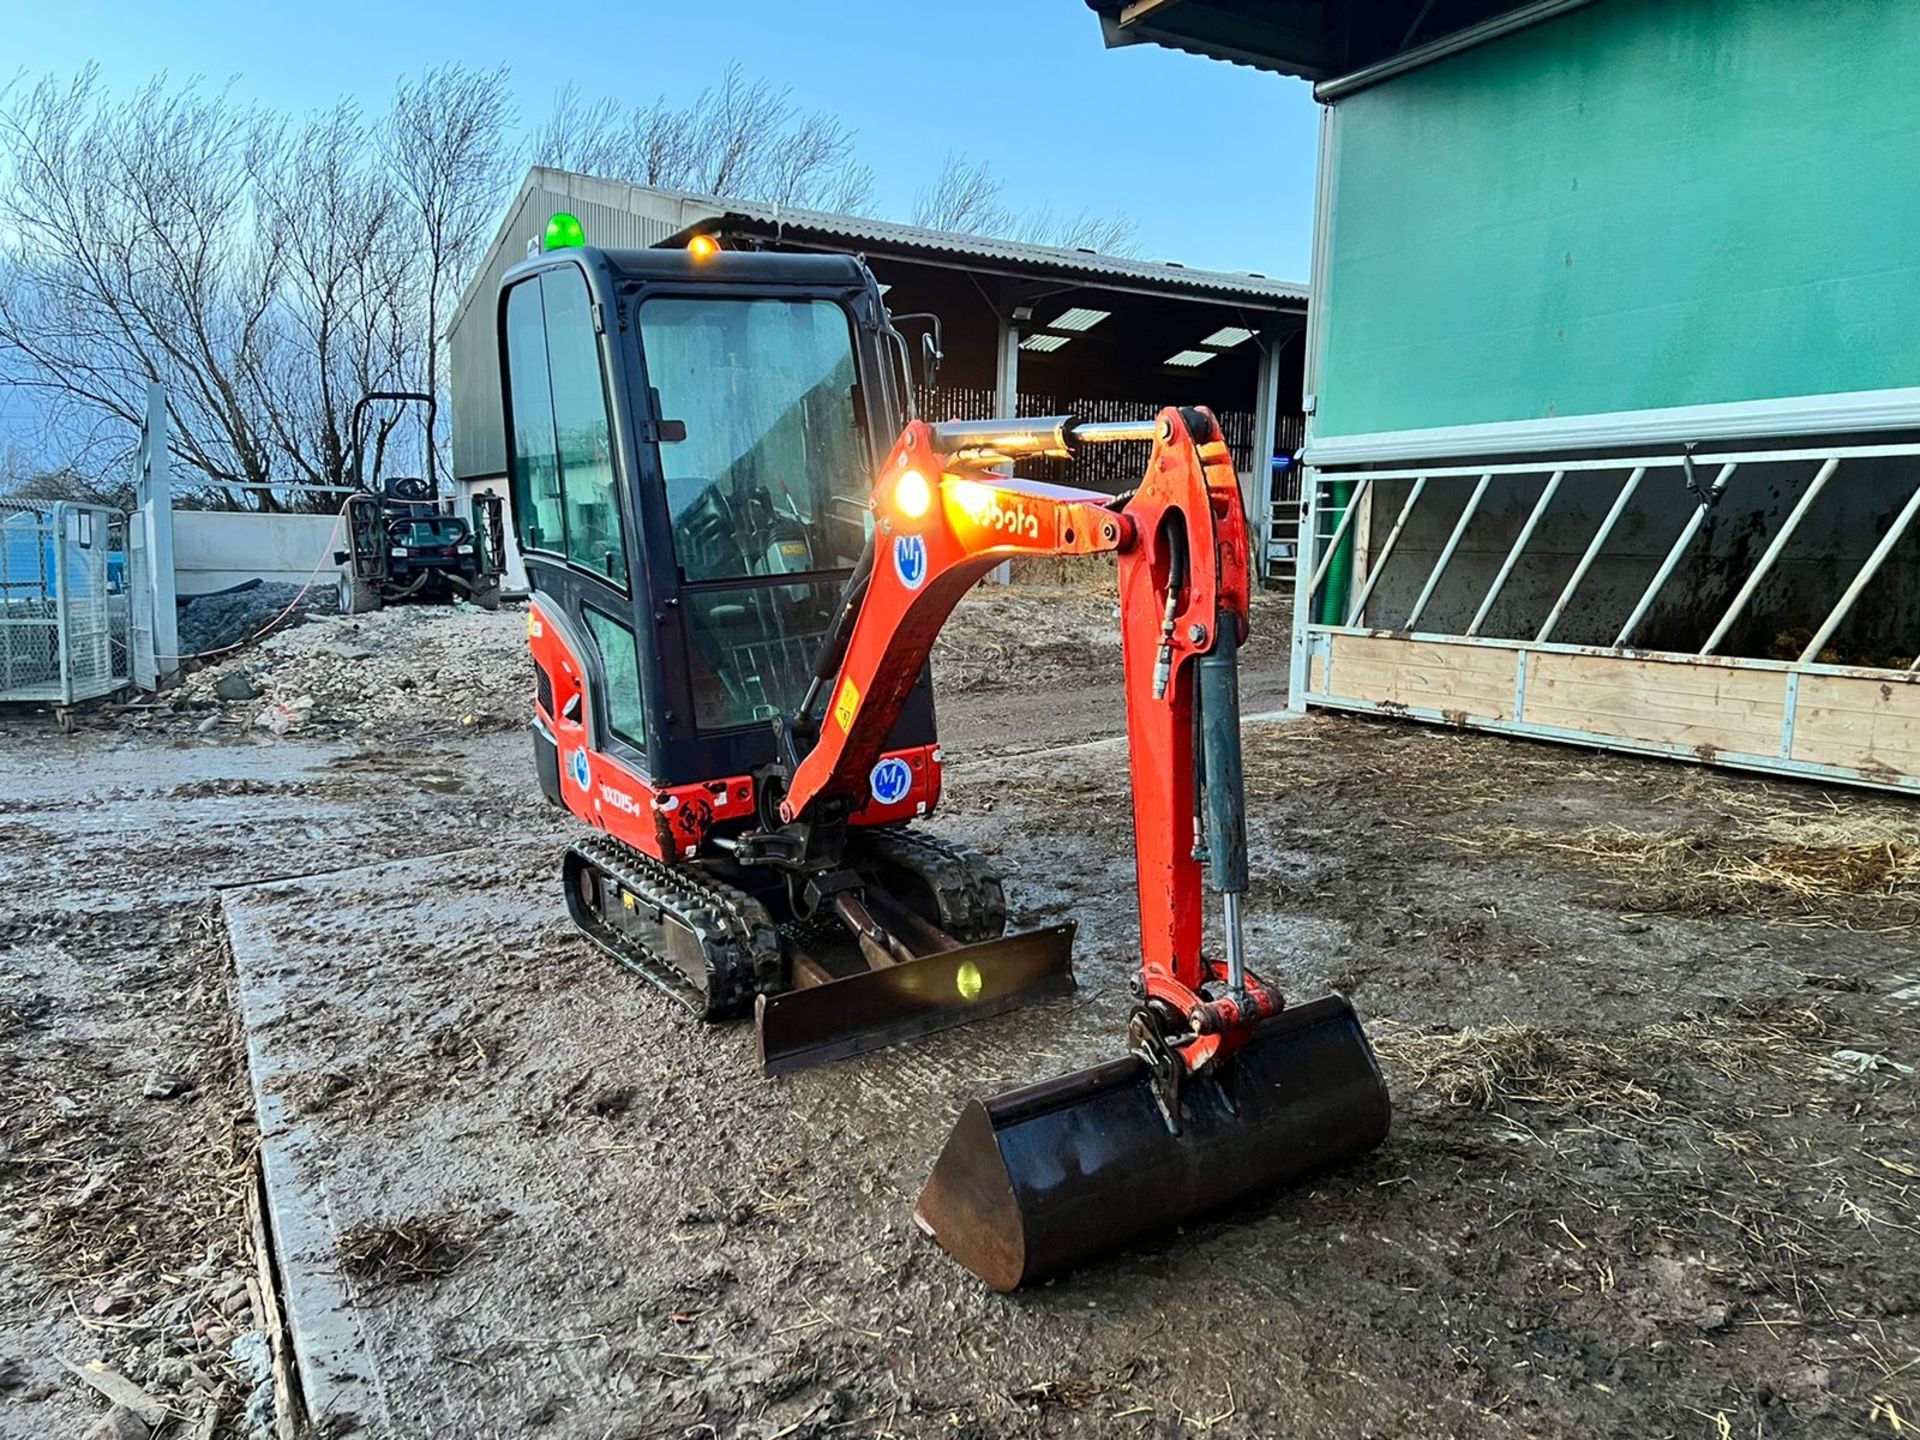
(431, 1042)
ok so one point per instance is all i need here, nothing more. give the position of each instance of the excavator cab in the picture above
(693, 437)
(743, 545)
(691, 444)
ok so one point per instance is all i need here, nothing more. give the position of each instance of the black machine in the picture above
(403, 544)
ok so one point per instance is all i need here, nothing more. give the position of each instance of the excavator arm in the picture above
(1225, 1090)
(943, 520)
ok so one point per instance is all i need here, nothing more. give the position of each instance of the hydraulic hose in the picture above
(833, 649)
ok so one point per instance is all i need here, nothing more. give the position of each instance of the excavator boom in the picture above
(1224, 1089)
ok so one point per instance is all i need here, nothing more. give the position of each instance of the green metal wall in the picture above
(1642, 204)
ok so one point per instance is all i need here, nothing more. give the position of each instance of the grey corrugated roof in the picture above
(676, 212)
(858, 230)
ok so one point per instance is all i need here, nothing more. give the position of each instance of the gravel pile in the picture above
(410, 668)
(213, 622)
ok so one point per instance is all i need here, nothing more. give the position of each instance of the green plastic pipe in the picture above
(1333, 596)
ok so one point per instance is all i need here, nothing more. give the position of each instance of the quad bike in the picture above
(403, 545)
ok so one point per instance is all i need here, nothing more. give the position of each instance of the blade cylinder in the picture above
(1038, 1180)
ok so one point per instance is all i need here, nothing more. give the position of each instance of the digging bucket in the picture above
(875, 1008)
(1036, 1181)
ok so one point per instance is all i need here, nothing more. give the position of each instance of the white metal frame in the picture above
(1313, 641)
(158, 657)
(1856, 412)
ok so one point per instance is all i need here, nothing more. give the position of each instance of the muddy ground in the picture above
(1648, 1030)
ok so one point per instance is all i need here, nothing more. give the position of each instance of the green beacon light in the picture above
(564, 233)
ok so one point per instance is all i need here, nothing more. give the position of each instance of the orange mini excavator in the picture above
(739, 574)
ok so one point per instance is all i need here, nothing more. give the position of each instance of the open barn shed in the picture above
(1025, 329)
(1613, 385)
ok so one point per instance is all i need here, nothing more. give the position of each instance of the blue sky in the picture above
(1214, 161)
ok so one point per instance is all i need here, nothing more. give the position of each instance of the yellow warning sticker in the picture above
(847, 705)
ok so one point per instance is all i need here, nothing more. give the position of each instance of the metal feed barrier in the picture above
(65, 607)
(1484, 621)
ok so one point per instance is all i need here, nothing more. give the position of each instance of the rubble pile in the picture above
(410, 667)
(211, 623)
(433, 667)
(200, 1352)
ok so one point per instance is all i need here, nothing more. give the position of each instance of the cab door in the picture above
(573, 519)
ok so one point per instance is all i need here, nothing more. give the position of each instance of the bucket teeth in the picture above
(884, 1006)
(1036, 1181)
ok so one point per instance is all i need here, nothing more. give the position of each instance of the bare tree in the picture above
(341, 327)
(964, 197)
(588, 137)
(130, 259)
(22, 479)
(741, 138)
(1104, 234)
(267, 273)
(967, 197)
(444, 142)
(270, 271)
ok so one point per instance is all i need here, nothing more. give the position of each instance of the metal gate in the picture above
(65, 611)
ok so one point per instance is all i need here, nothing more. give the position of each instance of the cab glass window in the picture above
(621, 660)
(772, 475)
(595, 541)
(752, 647)
(536, 464)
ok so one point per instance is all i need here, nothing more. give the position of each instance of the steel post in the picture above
(1851, 596)
(1446, 554)
(1297, 658)
(1339, 533)
(1767, 560)
(1377, 567)
(1594, 547)
(1667, 566)
(1520, 541)
(62, 600)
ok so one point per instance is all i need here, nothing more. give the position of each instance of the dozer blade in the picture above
(875, 1008)
(1038, 1180)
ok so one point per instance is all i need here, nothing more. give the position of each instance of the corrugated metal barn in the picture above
(1026, 329)
(1613, 385)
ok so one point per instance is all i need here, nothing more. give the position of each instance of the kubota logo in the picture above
(582, 775)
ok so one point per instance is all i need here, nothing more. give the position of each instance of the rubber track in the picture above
(737, 937)
(972, 905)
